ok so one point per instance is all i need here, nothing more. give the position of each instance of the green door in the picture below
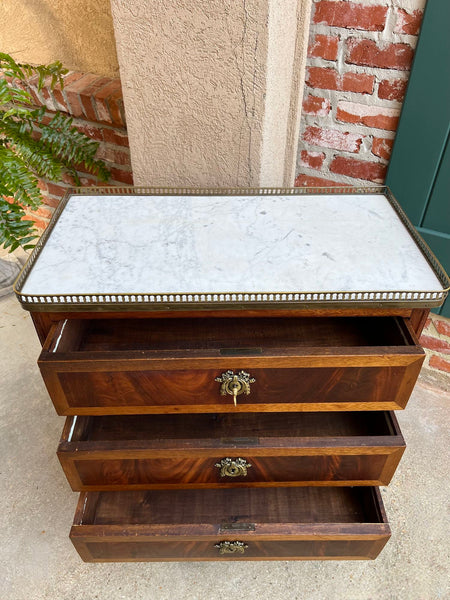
(419, 170)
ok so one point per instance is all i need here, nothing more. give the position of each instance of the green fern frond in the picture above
(24, 71)
(17, 180)
(72, 146)
(30, 148)
(10, 94)
(14, 230)
(43, 163)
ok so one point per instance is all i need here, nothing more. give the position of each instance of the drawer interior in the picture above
(244, 505)
(246, 428)
(227, 334)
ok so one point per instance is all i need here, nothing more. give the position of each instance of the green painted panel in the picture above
(423, 125)
(437, 215)
(440, 245)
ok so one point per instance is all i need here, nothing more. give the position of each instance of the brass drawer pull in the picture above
(233, 467)
(235, 384)
(231, 547)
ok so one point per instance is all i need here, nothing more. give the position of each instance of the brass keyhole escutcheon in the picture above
(231, 547)
(230, 467)
(235, 384)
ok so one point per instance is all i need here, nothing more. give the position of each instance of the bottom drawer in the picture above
(229, 524)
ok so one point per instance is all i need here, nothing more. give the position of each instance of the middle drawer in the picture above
(226, 450)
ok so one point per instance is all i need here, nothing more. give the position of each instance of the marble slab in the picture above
(135, 244)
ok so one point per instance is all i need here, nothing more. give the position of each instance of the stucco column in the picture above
(212, 89)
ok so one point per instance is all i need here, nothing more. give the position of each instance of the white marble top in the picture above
(134, 244)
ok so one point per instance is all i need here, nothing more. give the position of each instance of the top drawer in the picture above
(126, 366)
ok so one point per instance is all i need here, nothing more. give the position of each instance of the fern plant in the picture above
(31, 148)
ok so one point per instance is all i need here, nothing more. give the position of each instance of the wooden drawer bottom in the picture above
(231, 524)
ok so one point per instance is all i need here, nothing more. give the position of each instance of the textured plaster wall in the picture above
(79, 33)
(197, 79)
(285, 69)
(193, 84)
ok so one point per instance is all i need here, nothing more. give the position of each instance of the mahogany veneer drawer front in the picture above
(224, 450)
(245, 524)
(126, 366)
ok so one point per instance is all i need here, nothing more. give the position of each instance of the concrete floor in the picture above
(38, 561)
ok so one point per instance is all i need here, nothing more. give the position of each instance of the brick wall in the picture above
(358, 64)
(96, 105)
(436, 341)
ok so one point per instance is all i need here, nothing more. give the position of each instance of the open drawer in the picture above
(244, 524)
(230, 450)
(128, 366)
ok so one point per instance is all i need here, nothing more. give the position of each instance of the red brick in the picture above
(315, 105)
(72, 91)
(101, 97)
(51, 201)
(308, 181)
(119, 138)
(47, 118)
(42, 186)
(325, 79)
(350, 15)
(358, 82)
(87, 97)
(329, 79)
(324, 46)
(44, 212)
(55, 189)
(86, 181)
(382, 147)
(408, 22)
(372, 116)
(361, 169)
(311, 159)
(389, 56)
(47, 96)
(119, 157)
(95, 133)
(332, 138)
(442, 326)
(115, 105)
(68, 179)
(392, 89)
(436, 362)
(60, 99)
(58, 93)
(433, 343)
(38, 223)
(32, 89)
(121, 176)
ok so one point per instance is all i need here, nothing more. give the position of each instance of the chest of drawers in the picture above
(206, 423)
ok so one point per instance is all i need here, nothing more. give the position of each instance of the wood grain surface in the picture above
(273, 523)
(130, 366)
(174, 451)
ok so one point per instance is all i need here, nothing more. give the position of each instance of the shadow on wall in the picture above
(79, 33)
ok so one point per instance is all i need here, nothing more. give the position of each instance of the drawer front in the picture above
(141, 367)
(204, 450)
(147, 473)
(324, 388)
(280, 523)
(136, 551)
